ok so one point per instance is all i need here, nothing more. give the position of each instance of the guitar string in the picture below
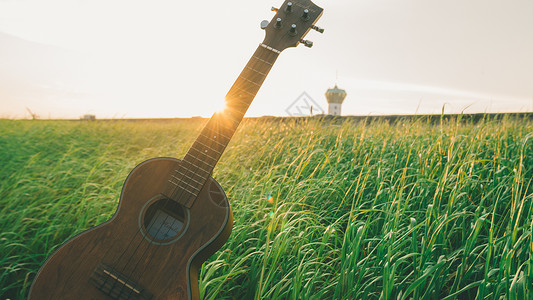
(141, 241)
(175, 193)
(260, 51)
(176, 187)
(141, 258)
(212, 142)
(106, 280)
(122, 270)
(106, 254)
(168, 229)
(234, 129)
(263, 60)
(154, 253)
(132, 255)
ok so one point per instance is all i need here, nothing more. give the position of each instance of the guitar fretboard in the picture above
(186, 182)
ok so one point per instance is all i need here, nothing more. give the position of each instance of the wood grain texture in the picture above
(166, 271)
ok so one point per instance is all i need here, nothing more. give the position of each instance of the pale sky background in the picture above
(159, 58)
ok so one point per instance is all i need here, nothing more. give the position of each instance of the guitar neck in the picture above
(292, 22)
(200, 160)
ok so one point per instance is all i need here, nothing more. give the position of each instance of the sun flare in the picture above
(220, 107)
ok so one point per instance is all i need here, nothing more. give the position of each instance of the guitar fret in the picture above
(235, 121)
(189, 174)
(206, 155)
(237, 104)
(256, 71)
(227, 116)
(262, 60)
(245, 103)
(195, 166)
(175, 177)
(192, 193)
(188, 185)
(218, 152)
(230, 117)
(202, 161)
(220, 125)
(252, 94)
(253, 82)
(215, 134)
(205, 136)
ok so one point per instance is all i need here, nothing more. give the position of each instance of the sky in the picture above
(164, 59)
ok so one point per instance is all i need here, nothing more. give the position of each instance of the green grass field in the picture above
(378, 210)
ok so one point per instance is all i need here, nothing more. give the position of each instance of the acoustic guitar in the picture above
(172, 215)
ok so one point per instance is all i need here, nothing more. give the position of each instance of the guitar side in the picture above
(120, 260)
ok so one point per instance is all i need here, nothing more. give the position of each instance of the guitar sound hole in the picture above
(164, 220)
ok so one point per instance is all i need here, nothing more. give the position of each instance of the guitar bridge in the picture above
(116, 285)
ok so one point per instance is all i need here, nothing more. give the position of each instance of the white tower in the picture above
(335, 97)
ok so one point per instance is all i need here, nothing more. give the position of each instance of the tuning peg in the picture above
(307, 43)
(274, 9)
(278, 23)
(305, 15)
(321, 30)
(293, 31)
(289, 7)
(264, 24)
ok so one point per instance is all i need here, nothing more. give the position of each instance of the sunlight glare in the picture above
(220, 106)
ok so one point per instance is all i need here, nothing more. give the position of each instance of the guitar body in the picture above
(137, 254)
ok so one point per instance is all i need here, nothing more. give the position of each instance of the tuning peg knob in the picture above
(305, 15)
(307, 43)
(264, 24)
(293, 31)
(289, 7)
(321, 30)
(278, 23)
(274, 9)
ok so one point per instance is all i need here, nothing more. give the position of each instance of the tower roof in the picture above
(335, 95)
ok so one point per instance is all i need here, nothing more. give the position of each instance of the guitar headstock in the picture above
(292, 22)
